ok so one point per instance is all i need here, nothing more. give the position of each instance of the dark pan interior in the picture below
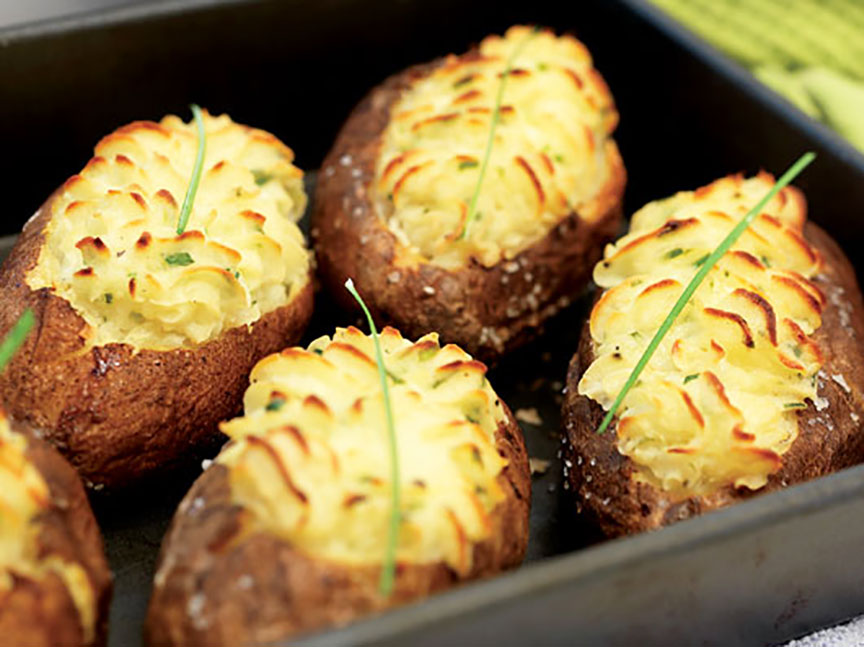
(296, 69)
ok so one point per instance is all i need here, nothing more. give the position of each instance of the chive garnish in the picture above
(690, 378)
(179, 258)
(388, 572)
(701, 273)
(195, 180)
(794, 405)
(275, 404)
(16, 337)
(496, 117)
(261, 177)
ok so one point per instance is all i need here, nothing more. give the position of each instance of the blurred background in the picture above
(810, 51)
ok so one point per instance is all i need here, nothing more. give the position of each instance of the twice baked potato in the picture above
(393, 198)
(145, 338)
(54, 581)
(287, 531)
(756, 386)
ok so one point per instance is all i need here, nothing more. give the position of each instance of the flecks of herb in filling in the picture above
(261, 177)
(275, 404)
(427, 353)
(179, 258)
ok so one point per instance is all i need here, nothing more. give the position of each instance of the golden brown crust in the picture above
(36, 613)
(216, 585)
(828, 440)
(118, 415)
(488, 311)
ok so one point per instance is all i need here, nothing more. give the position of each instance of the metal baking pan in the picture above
(761, 572)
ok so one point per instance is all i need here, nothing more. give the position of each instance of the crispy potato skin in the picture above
(828, 441)
(118, 415)
(468, 307)
(219, 585)
(36, 613)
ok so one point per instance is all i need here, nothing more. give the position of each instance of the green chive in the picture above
(706, 267)
(16, 337)
(701, 261)
(179, 258)
(675, 253)
(396, 379)
(195, 180)
(496, 116)
(427, 353)
(690, 378)
(467, 164)
(261, 177)
(388, 572)
(794, 405)
(275, 404)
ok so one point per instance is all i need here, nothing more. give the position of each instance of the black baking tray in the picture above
(760, 572)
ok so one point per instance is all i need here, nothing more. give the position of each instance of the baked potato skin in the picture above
(36, 613)
(828, 440)
(118, 415)
(468, 307)
(215, 586)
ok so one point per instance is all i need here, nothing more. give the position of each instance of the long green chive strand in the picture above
(496, 116)
(195, 180)
(388, 571)
(706, 267)
(16, 337)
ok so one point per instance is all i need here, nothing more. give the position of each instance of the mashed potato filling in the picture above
(24, 495)
(112, 251)
(718, 404)
(310, 455)
(549, 157)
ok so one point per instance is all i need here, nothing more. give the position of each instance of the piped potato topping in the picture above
(24, 495)
(548, 160)
(112, 251)
(309, 457)
(718, 403)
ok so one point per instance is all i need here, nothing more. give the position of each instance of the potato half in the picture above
(394, 194)
(54, 581)
(144, 337)
(287, 531)
(756, 386)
